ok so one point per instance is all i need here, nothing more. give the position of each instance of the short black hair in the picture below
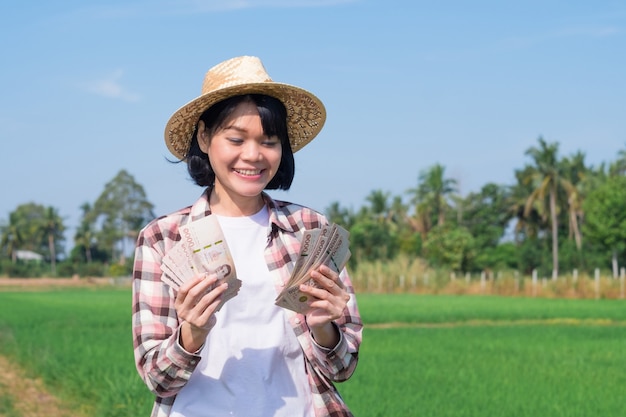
(274, 122)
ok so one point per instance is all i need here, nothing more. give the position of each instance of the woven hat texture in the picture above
(246, 75)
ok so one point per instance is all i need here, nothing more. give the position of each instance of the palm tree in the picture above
(431, 196)
(85, 234)
(546, 179)
(11, 239)
(53, 226)
(575, 185)
(379, 204)
(398, 211)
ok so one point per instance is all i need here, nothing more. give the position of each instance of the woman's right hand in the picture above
(196, 303)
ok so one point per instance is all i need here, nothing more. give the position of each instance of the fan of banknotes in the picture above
(328, 246)
(201, 250)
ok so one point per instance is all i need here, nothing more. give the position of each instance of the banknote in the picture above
(328, 246)
(201, 250)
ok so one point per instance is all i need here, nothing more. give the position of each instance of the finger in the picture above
(332, 274)
(210, 295)
(327, 281)
(191, 283)
(328, 272)
(201, 284)
(192, 292)
(200, 312)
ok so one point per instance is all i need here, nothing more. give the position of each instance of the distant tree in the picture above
(528, 224)
(605, 217)
(398, 211)
(12, 239)
(85, 236)
(121, 210)
(618, 167)
(575, 185)
(430, 198)
(486, 214)
(449, 246)
(53, 229)
(36, 228)
(378, 204)
(546, 177)
(372, 240)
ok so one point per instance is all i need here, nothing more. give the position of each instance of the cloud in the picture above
(111, 87)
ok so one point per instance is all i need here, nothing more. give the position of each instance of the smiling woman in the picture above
(200, 350)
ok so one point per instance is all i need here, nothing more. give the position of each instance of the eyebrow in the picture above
(244, 130)
(233, 127)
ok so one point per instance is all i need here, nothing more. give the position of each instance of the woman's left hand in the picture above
(328, 304)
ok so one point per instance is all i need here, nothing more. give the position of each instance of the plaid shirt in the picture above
(166, 367)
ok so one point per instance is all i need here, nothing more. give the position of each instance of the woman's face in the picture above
(243, 158)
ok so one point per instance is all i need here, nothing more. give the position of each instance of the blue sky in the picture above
(87, 87)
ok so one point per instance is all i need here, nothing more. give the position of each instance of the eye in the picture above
(235, 140)
(271, 142)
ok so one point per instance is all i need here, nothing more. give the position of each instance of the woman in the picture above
(250, 358)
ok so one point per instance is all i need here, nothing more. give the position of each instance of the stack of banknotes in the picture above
(201, 250)
(328, 246)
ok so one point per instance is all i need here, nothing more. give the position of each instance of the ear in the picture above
(203, 137)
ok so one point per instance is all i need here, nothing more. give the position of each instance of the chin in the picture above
(251, 191)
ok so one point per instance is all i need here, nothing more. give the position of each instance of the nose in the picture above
(251, 151)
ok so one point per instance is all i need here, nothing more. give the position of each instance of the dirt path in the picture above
(28, 396)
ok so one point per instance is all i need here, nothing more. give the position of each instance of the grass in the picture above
(6, 404)
(447, 355)
(484, 355)
(411, 308)
(79, 342)
(490, 370)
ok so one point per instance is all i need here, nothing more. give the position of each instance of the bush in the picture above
(501, 257)
(117, 270)
(66, 269)
(25, 269)
(94, 269)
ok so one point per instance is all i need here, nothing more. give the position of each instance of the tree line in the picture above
(560, 214)
(107, 227)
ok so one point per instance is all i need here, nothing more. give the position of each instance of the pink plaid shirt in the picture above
(166, 367)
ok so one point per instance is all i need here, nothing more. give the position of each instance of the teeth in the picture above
(249, 171)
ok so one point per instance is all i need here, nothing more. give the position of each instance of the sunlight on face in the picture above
(243, 158)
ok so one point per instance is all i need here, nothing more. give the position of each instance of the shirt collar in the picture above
(278, 216)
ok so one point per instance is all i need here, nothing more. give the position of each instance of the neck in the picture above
(225, 205)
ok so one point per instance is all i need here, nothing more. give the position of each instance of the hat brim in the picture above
(306, 114)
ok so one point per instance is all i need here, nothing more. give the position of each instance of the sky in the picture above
(88, 86)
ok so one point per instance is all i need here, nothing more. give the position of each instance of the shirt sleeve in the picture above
(162, 363)
(338, 364)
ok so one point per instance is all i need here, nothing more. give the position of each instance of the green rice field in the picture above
(422, 355)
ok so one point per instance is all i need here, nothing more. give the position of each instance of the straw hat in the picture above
(246, 75)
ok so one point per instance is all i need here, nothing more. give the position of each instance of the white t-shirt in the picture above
(252, 363)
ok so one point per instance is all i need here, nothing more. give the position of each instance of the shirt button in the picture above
(193, 362)
(297, 321)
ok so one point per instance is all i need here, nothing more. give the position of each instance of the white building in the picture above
(28, 255)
